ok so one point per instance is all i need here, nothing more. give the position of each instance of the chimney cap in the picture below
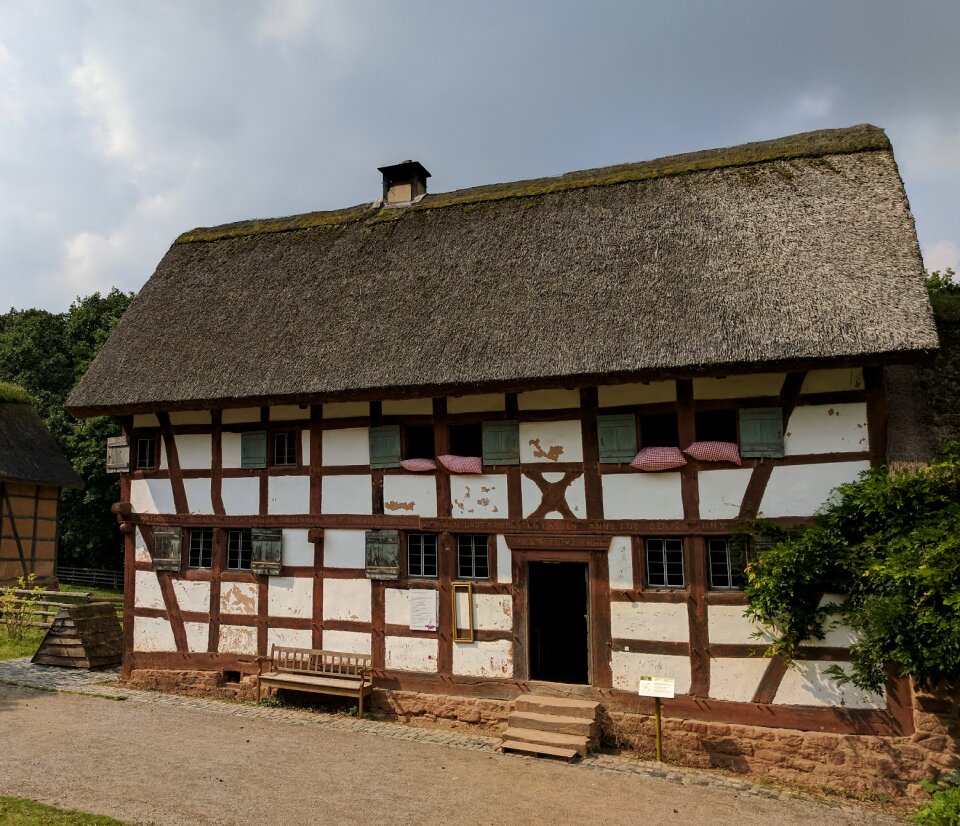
(403, 171)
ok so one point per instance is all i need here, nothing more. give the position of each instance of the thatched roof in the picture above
(745, 258)
(28, 452)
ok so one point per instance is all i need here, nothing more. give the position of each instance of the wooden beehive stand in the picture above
(82, 636)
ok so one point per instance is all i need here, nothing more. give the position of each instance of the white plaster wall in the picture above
(721, 492)
(190, 417)
(410, 495)
(346, 446)
(289, 596)
(738, 387)
(736, 680)
(288, 494)
(237, 639)
(530, 495)
(411, 654)
(151, 496)
(654, 392)
(491, 612)
(241, 415)
(152, 634)
(288, 413)
(483, 659)
(344, 548)
(396, 606)
(198, 637)
(826, 428)
(800, 490)
(407, 407)
(629, 667)
(162, 447)
(660, 621)
(230, 449)
(349, 642)
(345, 410)
(727, 624)
(241, 495)
(620, 562)
(829, 381)
(296, 549)
(198, 495)
(576, 497)
(642, 496)
(294, 637)
(192, 595)
(551, 442)
(194, 450)
(478, 496)
(548, 399)
(239, 598)
(346, 494)
(808, 684)
(140, 552)
(305, 448)
(347, 599)
(481, 403)
(147, 593)
(504, 560)
(145, 420)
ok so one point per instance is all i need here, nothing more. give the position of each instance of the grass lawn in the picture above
(18, 812)
(97, 593)
(10, 649)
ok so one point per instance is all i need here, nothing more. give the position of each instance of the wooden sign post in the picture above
(657, 687)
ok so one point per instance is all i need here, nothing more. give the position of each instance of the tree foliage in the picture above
(46, 354)
(889, 542)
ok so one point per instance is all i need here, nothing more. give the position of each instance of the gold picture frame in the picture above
(467, 634)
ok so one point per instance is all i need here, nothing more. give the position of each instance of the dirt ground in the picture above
(156, 764)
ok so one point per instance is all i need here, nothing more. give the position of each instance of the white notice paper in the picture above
(423, 609)
(657, 686)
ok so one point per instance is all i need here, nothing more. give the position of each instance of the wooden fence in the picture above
(91, 577)
(43, 607)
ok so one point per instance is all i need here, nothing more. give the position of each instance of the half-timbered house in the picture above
(32, 472)
(517, 435)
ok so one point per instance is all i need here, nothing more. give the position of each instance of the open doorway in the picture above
(559, 641)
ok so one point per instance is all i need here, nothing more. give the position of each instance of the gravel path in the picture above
(164, 759)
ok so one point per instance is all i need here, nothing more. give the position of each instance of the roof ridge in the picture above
(843, 141)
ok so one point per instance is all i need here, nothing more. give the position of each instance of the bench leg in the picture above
(360, 707)
(258, 691)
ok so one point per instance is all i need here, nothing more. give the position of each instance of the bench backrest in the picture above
(317, 661)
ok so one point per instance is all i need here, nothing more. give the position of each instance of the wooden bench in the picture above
(321, 672)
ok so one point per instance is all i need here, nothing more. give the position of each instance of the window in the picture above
(659, 430)
(466, 439)
(727, 561)
(665, 563)
(201, 548)
(285, 448)
(147, 453)
(239, 550)
(422, 555)
(472, 559)
(716, 426)
(418, 442)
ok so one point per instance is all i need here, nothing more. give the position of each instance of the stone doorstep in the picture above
(580, 726)
(565, 706)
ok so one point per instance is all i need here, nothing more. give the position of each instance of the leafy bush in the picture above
(18, 610)
(944, 808)
(890, 542)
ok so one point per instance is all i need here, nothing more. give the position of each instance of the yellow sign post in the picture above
(657, 687)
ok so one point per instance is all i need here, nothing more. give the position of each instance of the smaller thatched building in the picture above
(32, 472)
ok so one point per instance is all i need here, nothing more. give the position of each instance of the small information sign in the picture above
(657, 687)
(423, 609)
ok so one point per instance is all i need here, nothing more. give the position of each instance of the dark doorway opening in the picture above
(559, 641)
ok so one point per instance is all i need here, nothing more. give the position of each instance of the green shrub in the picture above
(944, 808)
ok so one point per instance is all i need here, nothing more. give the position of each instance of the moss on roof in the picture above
(13, 393)
(861, 138)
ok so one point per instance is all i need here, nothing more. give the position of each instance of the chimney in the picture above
(404, 183)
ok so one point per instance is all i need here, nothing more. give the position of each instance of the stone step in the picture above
(553, 722)
(581, 745)
(563, 706)
(540, 751)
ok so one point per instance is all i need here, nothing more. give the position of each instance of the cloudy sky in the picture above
(124, 123)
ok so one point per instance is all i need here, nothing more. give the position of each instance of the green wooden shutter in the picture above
(501, 443)
(383, 554)
(385, 446)
(761, 432)
(267, 546)
(166, 548)
(253, 449)
(617, 437)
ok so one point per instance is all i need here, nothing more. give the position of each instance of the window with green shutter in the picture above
(617, 437)
(761, 432)
(385, 446)
(383, 554)
(267, 548)
(501, 443)
(166, 549)
(253, 449)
